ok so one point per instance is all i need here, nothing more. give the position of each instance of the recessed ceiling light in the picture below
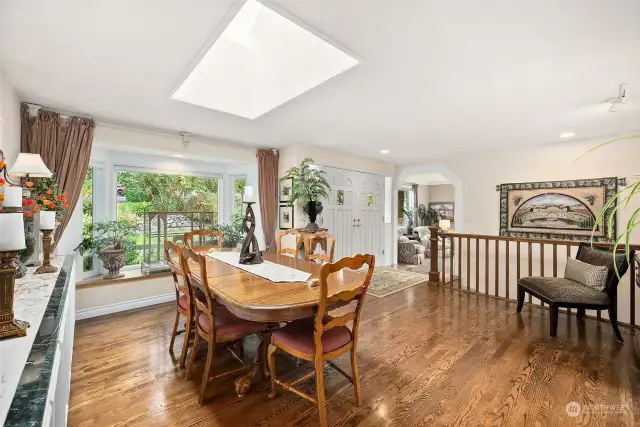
(384, 151)
(178, 155)
(567, 134)
(260, 61)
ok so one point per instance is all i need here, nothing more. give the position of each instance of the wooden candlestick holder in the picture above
(9, 326)
(46, 266)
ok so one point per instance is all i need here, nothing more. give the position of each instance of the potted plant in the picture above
(232, 233)
(432, 216)
(109, 241)
(409, 213)
(309, 185)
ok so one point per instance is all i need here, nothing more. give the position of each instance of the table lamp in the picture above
(12, 238)
(444, 224)
(250, 252)
(11, 242)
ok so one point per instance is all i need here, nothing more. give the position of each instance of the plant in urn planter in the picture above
(309, 185)
(110, 242)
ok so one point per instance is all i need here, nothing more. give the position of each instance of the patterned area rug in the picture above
(386, 281)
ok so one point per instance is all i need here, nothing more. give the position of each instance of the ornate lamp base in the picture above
(13, 328)
(9, 326)
(46, 266)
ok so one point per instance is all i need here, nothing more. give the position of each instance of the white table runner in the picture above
(268, 270)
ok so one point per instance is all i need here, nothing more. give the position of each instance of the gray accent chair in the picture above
(559, 292)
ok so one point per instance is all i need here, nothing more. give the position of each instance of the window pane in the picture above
(87, 216)
(163, 207)
(238, 192)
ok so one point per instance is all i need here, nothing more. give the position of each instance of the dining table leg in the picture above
(243, 383)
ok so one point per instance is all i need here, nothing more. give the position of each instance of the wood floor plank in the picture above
(428, 356)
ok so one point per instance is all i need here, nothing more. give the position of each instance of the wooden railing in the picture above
(492, 265)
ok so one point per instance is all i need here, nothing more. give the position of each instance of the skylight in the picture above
(259, 62)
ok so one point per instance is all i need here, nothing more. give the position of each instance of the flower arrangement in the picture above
(45, 196)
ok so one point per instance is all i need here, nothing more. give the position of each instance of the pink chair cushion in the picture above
(299, 336)
(182, 302)
(230, 324)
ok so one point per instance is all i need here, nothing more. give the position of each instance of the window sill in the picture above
(129, 276)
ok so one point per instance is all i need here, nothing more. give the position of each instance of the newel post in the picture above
(434, 275)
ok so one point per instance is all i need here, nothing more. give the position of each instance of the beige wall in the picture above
(480, 173)
(423, 195)
(442, 193)
(9, 120)
(97, 300)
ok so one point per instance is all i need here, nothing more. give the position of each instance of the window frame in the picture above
(113, 200)
(98, 210)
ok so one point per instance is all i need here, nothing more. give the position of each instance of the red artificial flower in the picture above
(52, 205)
(58, 198)
(2, 164)
(36, 209)
(42, 196)
(66, 205)
(1, 197)
(65, 194)
(29, 184)
(28, 214)
(2, 181)
(49, 192)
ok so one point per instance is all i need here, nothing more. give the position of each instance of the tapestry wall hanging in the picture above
(556, 209)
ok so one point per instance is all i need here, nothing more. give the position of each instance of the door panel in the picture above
(355, 218)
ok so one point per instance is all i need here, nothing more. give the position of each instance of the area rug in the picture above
(386, 281)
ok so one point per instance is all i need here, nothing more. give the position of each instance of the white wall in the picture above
(423, 195)
(9, 120)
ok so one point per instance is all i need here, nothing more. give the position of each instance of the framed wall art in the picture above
(444, 209)
(556, 209)
(285, 216)
(286, 186)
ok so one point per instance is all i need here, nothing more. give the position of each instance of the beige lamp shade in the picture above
(444, 224)
(248, 194)
(30, 164)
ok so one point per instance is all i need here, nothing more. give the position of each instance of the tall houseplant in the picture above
(309, 185)
(621, 198)
(109, 241)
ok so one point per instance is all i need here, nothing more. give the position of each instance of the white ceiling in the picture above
(435, 78)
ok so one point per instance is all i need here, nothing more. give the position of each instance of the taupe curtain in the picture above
(414, 187)
(65, 147)
(268, 194)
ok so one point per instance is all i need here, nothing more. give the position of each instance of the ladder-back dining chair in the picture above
(184, 303)
(215, 324)
(280, 250)
(212, 235)
(327, 242)
(322, 338)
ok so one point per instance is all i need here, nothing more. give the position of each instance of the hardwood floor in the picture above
(429, 356)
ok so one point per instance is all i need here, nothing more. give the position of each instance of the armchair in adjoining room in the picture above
(409, 251)
(424, 236)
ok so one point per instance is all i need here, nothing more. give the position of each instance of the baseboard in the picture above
(124, 306)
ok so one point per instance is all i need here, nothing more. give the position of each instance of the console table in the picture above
(35, 371)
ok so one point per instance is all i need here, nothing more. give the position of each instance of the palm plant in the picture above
(309, 182)
(621, 198)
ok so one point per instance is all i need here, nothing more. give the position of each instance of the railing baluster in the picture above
(530, 264)
(486, 267)
(555, 260)
(506, 251)
(497, 278)
(518, 258)
(568, 255)
(444, 262)
(451, 262)
(477, 265)
(542, 266)
(468, 263)
(459, 262)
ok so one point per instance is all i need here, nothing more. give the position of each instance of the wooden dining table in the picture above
(255, 298)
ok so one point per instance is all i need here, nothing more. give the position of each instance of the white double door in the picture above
(354, 212)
